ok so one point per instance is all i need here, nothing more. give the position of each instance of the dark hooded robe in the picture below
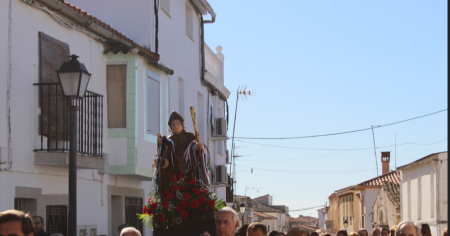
(176, 155)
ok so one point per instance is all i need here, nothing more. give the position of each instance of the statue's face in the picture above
(176, 127)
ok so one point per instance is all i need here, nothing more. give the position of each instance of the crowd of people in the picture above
(18, 223)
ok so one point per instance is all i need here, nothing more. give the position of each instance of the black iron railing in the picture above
(54, 119)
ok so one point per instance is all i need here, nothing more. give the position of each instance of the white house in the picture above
(130, 95)
(180, 44)
(423, 191)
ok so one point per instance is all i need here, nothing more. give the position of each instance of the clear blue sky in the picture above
(322, 67)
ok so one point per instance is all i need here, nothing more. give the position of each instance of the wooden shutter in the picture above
(52, 54)
(117, 94)
(153, 104)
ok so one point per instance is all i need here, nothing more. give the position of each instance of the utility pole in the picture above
(241, 91)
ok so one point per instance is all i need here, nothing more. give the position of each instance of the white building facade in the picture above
(423, 191)
(131, 94)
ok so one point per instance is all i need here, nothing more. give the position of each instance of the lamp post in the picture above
(345, 225)
(74, 79)
(242, 209)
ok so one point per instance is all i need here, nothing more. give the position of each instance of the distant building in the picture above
(424, 191)
(386, 209)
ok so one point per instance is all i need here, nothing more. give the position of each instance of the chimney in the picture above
(385, 159)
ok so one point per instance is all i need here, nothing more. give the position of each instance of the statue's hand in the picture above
(199, 146)
(159, 138)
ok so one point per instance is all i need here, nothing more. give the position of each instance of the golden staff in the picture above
(196, 134)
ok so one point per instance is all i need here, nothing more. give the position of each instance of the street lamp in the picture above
(345, 225)
(242, 209)
(74, 79)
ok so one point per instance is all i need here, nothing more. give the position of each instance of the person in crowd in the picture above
(376, 232)
(353, 234)
(273, 233)
(17, 223)
(130, 231)
(342, 233)
(39, 226)
(444, 232)
(385, 232)
(407, 228)
(122, 226)
(296, 231)
(314, 234)
(393, 230)
(243, 230)
(227, 222)
(257, 229)
(327, 235)
(56, 234)
(425, 230)
(363, 232)
(281, 234)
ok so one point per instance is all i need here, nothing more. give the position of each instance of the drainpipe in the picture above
(437, 167)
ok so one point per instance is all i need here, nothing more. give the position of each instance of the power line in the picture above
(303, 209)
(341, 149)
(346, 132)
(313, 171)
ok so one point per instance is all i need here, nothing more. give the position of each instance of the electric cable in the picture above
(341, 149)
(346, 132)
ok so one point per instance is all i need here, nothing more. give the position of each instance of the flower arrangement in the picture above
(177, 202)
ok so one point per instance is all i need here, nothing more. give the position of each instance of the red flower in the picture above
(194, 204)
(169, 196)
(205, 209)
(149, 212)
(144, 210)
(181, 175)
(182, 187)
(187, 196)
(211, 203)
(149, 199)
(183, 213)
(196, 190)
(165, 204)
(165, 192)
(161, 217)
(178, 208)
(172, 176)
(184, 204)
(192, 181)
(201, 199)
(175, 188)
(154, 206)
(173, 180)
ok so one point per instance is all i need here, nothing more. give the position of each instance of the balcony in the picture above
(215, 69)
(329, 226)
(54, 129)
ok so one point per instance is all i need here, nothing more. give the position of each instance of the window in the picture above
(116, 90)
(133, 206)
(181, 96)
(189, 21)
(419, 197)
(432, 197)
(165, 5)
(409, 197)
(56, 220)
(363, 218)
(25, 205)
(153, 103)
(220, 147)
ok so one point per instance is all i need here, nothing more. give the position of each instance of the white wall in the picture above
(91, 194)
(434, 198)
(370, 195)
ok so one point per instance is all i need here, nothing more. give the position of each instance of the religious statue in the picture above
(181, 153)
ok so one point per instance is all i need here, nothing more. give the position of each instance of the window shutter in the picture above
(153, 105)
(52, 54)
(116, 92)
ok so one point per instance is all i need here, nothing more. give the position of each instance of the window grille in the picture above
(56, 220)
(133, 206)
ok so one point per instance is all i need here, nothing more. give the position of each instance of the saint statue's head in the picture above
(176, 122)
